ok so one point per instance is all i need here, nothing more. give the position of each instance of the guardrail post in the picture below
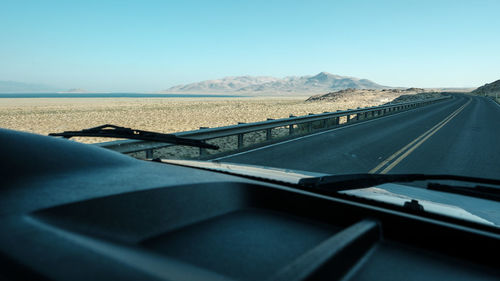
(309, 127)
(149, 154)
(290, 127)
(348, 118)
(268, 134)
(358, 115)
(336, 120)
(240, 141)
(203, 151)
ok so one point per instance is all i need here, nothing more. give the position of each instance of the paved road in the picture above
(460, 136)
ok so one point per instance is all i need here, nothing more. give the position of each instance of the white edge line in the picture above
(307, 136)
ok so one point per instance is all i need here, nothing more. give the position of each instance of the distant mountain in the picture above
(320, 83)
(20, 87)
(488, 89)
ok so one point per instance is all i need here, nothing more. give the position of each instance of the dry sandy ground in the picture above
(46, 115)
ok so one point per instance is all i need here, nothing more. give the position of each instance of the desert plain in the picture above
(167, 115)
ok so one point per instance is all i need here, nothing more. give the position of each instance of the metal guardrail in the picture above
(295, 125)
(495, 99)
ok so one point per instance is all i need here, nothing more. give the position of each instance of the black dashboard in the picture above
(71, 211)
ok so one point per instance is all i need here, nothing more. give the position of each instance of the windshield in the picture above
(326, 87)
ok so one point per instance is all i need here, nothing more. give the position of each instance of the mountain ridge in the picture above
(488, 88)
(319, 83)
(22, 87)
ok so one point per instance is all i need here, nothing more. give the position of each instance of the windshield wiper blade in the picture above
(112, 131)
(356, 181)
(478, 191)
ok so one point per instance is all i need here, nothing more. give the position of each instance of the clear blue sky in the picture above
(152, 45)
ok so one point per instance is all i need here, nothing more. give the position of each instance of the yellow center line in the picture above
(393, 164)
(420, 138)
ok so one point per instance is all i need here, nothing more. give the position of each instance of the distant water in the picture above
(109, 95)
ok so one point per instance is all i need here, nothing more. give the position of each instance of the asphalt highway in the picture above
(460, 136)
